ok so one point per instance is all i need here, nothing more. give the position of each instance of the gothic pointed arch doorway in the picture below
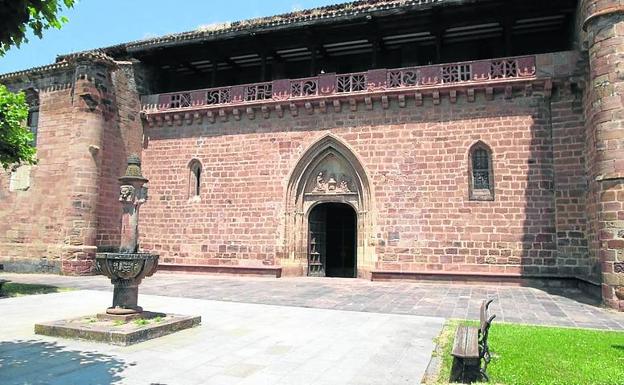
(329, 217)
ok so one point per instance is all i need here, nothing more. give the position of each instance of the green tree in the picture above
(18, 16)
(15, 139)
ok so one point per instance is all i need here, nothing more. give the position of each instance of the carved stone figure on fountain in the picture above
(127, 268)
(126, 194)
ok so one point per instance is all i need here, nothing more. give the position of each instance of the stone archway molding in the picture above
(329, 170)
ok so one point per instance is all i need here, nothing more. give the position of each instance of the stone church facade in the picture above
(477, 141)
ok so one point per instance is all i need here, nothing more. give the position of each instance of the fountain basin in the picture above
(126, 271)
(125, 322)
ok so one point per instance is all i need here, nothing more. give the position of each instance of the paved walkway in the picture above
(236, 344)
(512, 304)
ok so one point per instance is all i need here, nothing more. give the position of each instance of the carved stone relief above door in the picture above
(328, 172)
(331, 176)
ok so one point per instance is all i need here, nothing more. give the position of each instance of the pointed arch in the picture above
(330, 163)
(328, 146)
(195, 174)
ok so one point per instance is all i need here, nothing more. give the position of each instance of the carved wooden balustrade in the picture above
(327, 85)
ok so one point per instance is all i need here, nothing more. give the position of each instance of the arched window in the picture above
(195, 168)
(481, 178)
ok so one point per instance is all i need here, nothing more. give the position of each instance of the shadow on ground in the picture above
(38, 362)
(13, 289)
(576, 295)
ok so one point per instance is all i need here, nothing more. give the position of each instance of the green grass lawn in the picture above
(11, 289)
(535, 355)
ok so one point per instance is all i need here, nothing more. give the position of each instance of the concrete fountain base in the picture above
(116, 331)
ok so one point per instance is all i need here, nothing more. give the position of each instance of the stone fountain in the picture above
(127, 268)
(125, 322)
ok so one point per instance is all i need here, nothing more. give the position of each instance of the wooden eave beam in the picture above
(404, 20)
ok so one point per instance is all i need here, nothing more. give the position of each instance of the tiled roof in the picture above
(45, 68)
(287, 19)
(299, 17)
(92, 56)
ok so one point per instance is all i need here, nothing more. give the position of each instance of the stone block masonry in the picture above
(413, 152)
(603, 24)
(122, 137)
(417, 161)
(228, 166)
(59, 221)
(32, 222)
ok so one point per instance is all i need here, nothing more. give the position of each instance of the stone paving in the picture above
(237, 343)
(562, 307)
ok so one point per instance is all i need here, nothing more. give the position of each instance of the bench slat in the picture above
(466, 344)
(459, 343)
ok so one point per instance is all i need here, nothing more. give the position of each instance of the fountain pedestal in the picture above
(126, 269)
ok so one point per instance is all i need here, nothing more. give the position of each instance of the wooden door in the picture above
(317, 242)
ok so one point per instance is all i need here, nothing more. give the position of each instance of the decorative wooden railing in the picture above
(325, 85)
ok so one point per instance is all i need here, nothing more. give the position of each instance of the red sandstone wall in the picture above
(122, 137)
(570, 178)
(86, 131)
(416, 158)
(425, 217)
(417, 161)
(32, 222)
(604, 111)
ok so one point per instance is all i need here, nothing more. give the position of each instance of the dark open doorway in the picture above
(332, 239)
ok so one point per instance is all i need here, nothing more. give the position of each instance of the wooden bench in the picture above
(2, 282)
(470, 349)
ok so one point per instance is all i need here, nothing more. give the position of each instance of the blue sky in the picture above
(100, 23)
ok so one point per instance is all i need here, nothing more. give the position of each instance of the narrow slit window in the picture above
(33, 123)
(195, 178)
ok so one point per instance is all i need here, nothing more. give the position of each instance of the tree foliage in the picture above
(15, 138)
(18, 16)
